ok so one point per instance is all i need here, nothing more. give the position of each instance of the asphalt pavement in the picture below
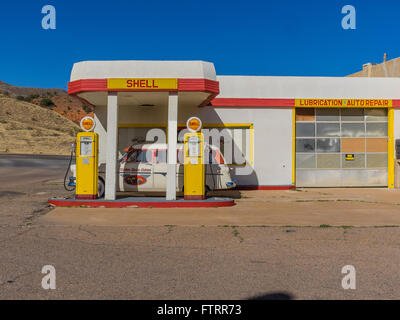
(178, 262)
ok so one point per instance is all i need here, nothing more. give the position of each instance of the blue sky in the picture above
(284, 37)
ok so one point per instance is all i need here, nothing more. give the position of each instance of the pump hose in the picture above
(66, 173)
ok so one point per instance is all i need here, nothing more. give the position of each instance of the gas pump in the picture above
(87, 161)
(194, 173)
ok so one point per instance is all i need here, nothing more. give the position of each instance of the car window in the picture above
(179, 156)
(161, 156)
(215, 157)
(141, 156)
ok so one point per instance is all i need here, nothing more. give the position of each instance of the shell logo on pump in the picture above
(193, 124)
(87, 124)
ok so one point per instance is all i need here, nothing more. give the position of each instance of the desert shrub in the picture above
(20, 98)
(86, 108)
(46, 102)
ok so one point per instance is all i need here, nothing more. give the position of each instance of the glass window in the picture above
(305, 145)
(376, 129)
(352, 115)
(304, 114)
(161, 156)
(305, 161)
(353, 130)
(375, 115)
(327, 114)
(141, 156)
(179, 156)
(328, 161)
(358, 162)
(328, 129)
(305, 130)
(376, 160)
(328, 145)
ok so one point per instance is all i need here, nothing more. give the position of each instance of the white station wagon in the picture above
(144, 168)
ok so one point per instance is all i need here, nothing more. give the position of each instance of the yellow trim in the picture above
(207, 125)
(343, 103)
(142, 125)
(390, 148)
(294, 146)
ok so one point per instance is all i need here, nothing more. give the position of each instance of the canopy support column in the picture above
(112, 143)
(172, 145)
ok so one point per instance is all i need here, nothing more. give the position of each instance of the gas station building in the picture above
(289, 131)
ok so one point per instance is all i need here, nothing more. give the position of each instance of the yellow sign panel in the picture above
(343, 103)
(143, 84)
(349, 156)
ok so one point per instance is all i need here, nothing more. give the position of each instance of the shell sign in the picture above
(87, 124)
(194, 124)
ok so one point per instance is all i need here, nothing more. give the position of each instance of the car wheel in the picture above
(101, 188)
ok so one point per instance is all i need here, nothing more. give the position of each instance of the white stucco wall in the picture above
(272, 126)
(308, 87)
(143, 69)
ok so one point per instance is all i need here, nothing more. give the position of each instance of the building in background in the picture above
(286, 131)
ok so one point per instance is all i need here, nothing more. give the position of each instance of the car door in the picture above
(160, 170)
(137, 171)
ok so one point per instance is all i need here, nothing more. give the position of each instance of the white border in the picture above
(191, 130)
(94, 123)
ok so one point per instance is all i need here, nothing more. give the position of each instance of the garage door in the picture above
(341, 147)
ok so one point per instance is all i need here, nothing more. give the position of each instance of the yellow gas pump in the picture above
(86, 164)
(194, 173)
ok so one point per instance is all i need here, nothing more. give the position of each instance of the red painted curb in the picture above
(161, 204)
(265, 187)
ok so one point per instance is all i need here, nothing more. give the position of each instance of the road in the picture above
(171, 262)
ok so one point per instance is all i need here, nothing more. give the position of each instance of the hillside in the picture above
(54, 99)
(28, 128)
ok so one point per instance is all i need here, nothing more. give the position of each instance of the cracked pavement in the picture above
(179, 262)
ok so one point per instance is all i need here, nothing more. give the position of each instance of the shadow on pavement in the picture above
(273, 296)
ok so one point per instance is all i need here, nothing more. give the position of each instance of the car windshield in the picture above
(162, 156)
(140, 156)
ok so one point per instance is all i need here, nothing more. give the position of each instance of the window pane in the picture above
(161, 156)
(377, 144)
(358, 162)
(328, 145)
(351, 145)
(376, 114)
(305, 145)
(305, 161)
(141, 156)
(328, 130)
(327, 114)
(326, 161)
(305, 130)
(352, 115)
(353, 130)
(303, 114)
(376, 160)
(376, 129)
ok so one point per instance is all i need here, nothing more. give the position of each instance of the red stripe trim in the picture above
(198, 85)
(265, 187)
(87, 85)
(160, 204)
(84, 85)
(396, 103)
(252, 102)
